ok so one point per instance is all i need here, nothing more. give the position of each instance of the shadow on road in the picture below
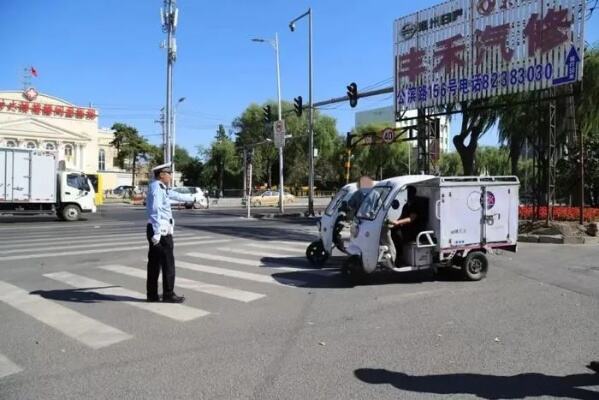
(487, 386)
(82, 295)
(267, 233)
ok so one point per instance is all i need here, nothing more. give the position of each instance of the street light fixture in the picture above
(310, 109)
(275, 44)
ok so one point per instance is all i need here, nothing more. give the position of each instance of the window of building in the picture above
(31, 145)
(11, 143)
(50, 147)
(102, 160)
(68, 151)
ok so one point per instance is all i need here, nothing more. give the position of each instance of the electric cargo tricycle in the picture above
(462, 219)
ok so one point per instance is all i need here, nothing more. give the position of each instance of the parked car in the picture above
(123, 190)
(200, 198)
(270, 198)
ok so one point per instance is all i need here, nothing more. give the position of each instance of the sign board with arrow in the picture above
(463, 50)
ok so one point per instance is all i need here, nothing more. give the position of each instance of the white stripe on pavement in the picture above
(86, 330)
(8, 367)
(276, 246)
(178, 312)
(99, 251)
(250, 263)
(248, 276)
(258, 253)
(25, 241)
(68, 225)
(216, 290)
(88, 245)
(300, 245)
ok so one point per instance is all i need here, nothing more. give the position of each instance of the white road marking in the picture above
(277, 247)
(250, 263)
(299, 245)
(216, 290)
(66, 225)
(110, 250)
(248, 276)
(8, 367)
(178, 312)
(86, 330)
(252, 252)
(88, 245)
(26, 242)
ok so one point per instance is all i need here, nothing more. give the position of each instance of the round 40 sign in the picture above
(388, 135)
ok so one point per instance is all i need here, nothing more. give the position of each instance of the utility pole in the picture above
(169, 17)
(162, 127)
(310, 110)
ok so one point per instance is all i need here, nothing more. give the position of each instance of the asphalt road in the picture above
(258, 323)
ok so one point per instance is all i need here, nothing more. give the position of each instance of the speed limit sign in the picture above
(388, 135)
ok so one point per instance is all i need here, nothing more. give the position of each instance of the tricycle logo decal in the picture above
(490, 200)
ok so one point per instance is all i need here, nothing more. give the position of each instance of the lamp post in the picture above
(310, 110)
(275, 44)
(181, 100)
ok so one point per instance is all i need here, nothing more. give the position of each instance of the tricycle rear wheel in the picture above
(475, 266)
(316, 254)
(355, 270)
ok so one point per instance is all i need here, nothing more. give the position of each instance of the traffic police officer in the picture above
(159, 232)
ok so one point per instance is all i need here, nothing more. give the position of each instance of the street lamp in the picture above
(310, 109)
(181, 100)
(275, 44)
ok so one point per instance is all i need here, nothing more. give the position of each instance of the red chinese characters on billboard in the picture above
(471, 49)
(50, 110)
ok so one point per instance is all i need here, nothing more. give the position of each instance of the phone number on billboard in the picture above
(476, 83)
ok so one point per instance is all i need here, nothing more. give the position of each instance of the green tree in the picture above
(131, 147)
(220, 159)
(492, 161)
(450, 164)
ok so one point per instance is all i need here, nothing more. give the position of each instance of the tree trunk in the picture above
(221, 178)
(515, 149)
(270, 163)
(467, 153)
(133, 165)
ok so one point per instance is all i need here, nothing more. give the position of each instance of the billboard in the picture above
(465, 50)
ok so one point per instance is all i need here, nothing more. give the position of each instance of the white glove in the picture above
(155, 239)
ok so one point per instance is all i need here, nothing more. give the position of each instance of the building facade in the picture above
(32, 120)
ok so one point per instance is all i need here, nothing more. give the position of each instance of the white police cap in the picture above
(162, 168)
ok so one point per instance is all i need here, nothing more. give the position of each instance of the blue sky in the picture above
(106, 52)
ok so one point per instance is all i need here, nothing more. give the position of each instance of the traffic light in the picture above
(352, 94)
(267, 114)
(348, 139)
(298, 105)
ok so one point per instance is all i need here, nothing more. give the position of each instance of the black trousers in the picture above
(160, 257)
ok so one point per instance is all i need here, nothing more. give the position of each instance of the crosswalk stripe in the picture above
(270, 247)
(300, 245)
(178, 312)
(252, 253)
(250, 263)
(8, 367)
(26, 241)
(248, 276)
(216, 290)
(88, 245)
(86, 330)
(110, 250)
(70, 225)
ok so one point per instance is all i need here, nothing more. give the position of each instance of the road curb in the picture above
(287, 215)
(553, 239)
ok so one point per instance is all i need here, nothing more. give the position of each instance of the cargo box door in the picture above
(460, 213)
(497, 218)
(20, 176)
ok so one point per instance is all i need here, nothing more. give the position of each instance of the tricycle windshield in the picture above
(373, 202)
(336, 202)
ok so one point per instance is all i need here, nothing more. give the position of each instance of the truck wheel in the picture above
(71, 213)
(316, 254)
(475, 266)
(354, 269)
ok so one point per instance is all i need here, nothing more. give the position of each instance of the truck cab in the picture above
(75, 195)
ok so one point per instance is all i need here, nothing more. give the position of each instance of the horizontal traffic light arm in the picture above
(360, 95)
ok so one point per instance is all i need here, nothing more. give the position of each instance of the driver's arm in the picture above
(405, 221)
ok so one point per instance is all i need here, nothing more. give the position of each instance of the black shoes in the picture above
(173, 299)
(153, 299)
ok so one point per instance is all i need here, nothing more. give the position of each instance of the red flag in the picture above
(33, 72)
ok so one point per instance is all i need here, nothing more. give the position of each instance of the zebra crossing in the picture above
(257, 264)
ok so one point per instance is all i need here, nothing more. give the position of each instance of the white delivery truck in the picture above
(461, 220)
(31, 182)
